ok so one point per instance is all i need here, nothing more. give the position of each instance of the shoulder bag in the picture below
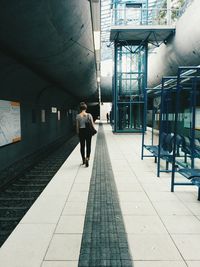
(89, 126)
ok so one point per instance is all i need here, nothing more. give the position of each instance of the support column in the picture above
(168, 12)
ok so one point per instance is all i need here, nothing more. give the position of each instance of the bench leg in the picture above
(172, 180)
(142, 154)
(198, 193)
(158, 167)
(185, 158)
(167, 165)
(155, 160)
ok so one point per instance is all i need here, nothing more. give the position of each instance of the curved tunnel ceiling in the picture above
(53, 39)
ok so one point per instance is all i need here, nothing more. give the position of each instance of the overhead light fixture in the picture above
(97, 40)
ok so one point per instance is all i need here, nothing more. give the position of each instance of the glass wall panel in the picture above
(130, 81)
(129, 117)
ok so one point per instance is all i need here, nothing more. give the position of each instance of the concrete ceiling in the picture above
(54, 41)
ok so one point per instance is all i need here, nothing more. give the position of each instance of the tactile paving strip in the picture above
(104, 241)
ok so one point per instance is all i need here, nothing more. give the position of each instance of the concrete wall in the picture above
(35, 135)
(182, 50)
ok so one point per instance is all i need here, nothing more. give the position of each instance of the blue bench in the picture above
(154, 149)
(193, 175)
(163, 152)
(167, 155)
(191, 148)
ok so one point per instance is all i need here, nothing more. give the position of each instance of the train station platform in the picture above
(116, 212)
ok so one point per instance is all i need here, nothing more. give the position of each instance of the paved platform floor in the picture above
(162, 228)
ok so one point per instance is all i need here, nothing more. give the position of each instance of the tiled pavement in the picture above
(163, 228)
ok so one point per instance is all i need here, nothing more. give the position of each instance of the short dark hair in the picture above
(83, 106)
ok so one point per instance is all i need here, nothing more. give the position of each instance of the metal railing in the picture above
(144, 16)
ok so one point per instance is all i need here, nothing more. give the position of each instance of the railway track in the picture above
(18, 197)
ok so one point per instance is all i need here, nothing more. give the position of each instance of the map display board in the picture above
(10, 125)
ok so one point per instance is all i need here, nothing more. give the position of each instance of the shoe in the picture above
(86, 163)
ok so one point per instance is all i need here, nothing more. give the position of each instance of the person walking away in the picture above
(84, 137)
(107, 117)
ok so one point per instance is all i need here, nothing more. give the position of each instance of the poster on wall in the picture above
(10, 125)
